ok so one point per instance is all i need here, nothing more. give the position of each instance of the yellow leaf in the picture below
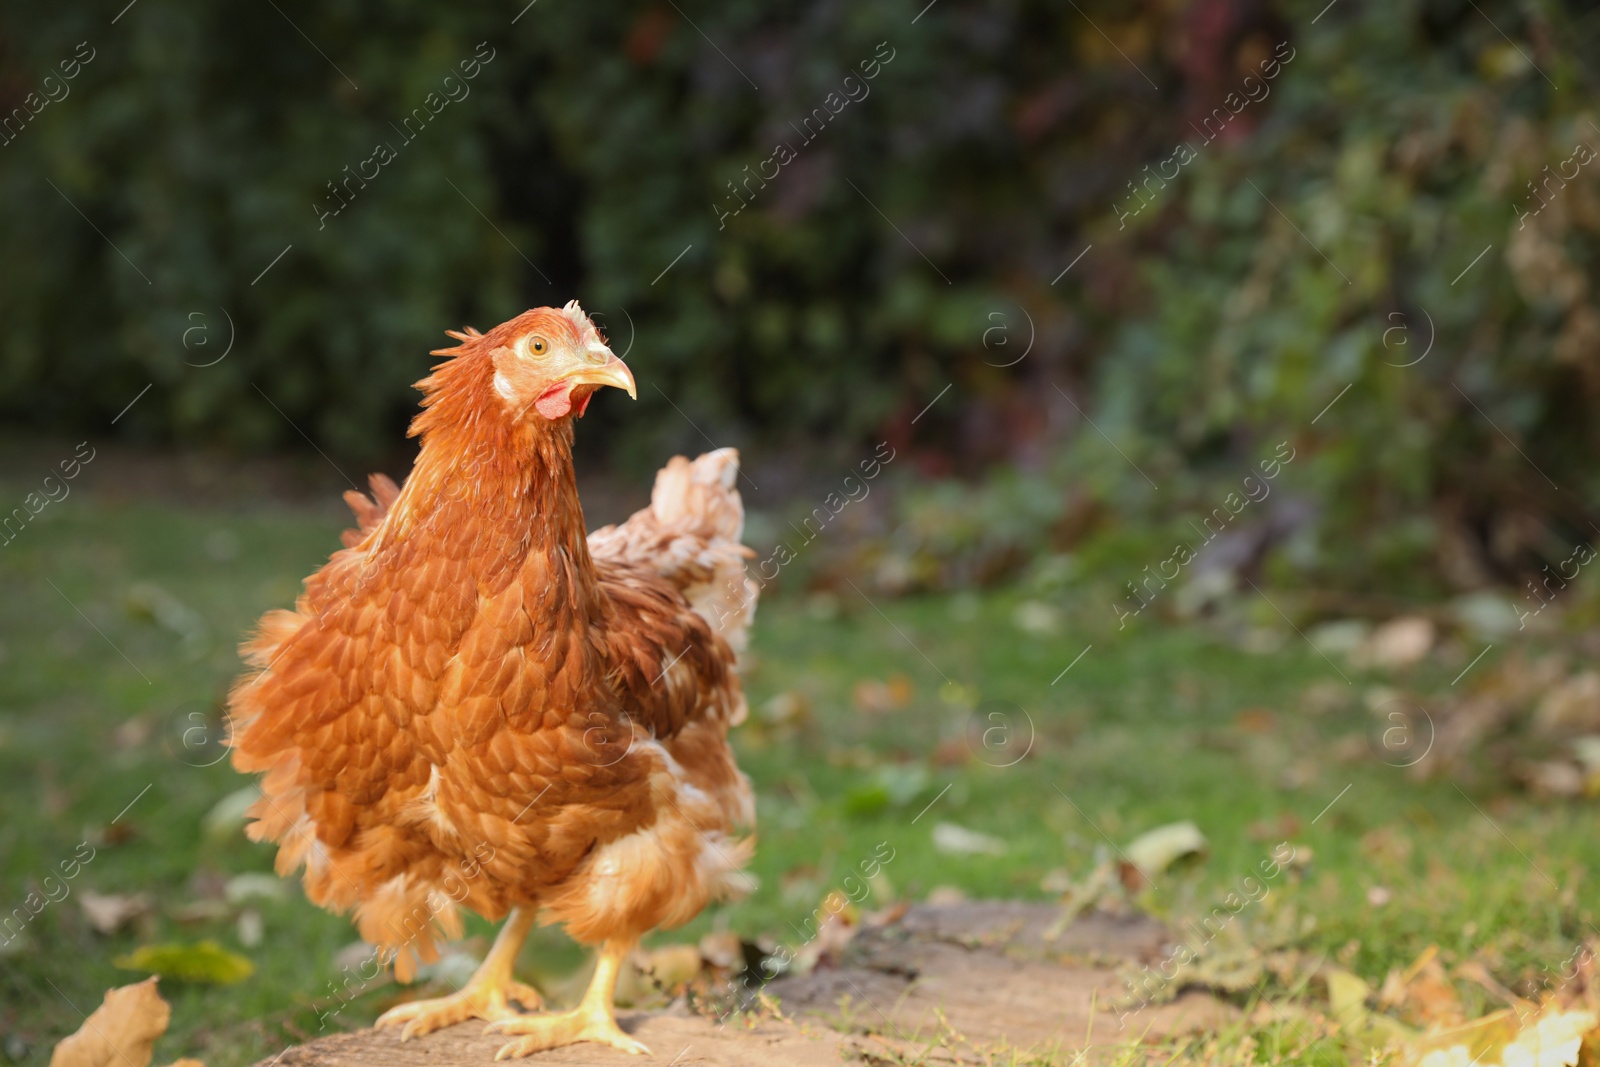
(1551, 1042)
(1347, 997)
(204, 961)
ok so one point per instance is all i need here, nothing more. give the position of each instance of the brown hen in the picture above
(475, 705)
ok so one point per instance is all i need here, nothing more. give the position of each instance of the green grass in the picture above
(117, 629)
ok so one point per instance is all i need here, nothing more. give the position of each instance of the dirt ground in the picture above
(955, 983)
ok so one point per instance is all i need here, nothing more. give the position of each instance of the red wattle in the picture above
(556, 401)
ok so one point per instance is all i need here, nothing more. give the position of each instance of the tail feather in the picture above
(690, 534)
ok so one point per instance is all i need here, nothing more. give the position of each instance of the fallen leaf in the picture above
(722, 949)
(1056, 881)
(1422, 992)
(1572, 707)
(132, 733)
(957, 695)
(1552, 1040)
(1320, 698)
(1282, 828)
(1341, 636)
(901, 689)
(1587, 751)
(786, 708)
(1397, 643)
(1347, 997)
(958, 840)
(1386, 844)
(873, 695)
(254, 885)
(122, 1031)
(951, 752)
(110, 912)
(1255, 721)
(200, 911)
(1036, 617)
(1554, 779)
(1154, 851)
(203, 961)
(226, 817)
(251, 928)
(838, 923)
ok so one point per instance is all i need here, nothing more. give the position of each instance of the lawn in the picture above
(874, 723)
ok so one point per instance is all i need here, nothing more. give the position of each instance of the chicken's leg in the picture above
(486, 996)
(594, 1019)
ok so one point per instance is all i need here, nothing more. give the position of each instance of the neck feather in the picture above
(498, 487)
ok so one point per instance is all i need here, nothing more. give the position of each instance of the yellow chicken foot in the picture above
(594, 1019)
(486, 996)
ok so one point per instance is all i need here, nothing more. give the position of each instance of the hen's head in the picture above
(552, 362)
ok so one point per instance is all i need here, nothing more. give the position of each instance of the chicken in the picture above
(475, 706)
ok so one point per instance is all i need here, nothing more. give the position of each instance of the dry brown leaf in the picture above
(1553, 779)
(1153, 851)
(840, 923)
(1573, 707)
(110, 912)
(722, 949)
(1397, 643)
(1432, 998)
(121, 1032)
(787, 708)
(1255, 721)
(874, 695)
(1422, 992)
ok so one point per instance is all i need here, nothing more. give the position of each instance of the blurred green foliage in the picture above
(1381, 233)
(599, 144)
(1322, 241)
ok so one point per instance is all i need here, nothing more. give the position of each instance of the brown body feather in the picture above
(469, 708)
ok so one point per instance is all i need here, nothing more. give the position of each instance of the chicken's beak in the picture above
(602, 367)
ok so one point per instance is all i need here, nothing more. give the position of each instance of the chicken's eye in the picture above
(538, 346)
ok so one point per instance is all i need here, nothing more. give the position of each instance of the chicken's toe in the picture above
(474, 1002)
(544, 1032)
(525, 995)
